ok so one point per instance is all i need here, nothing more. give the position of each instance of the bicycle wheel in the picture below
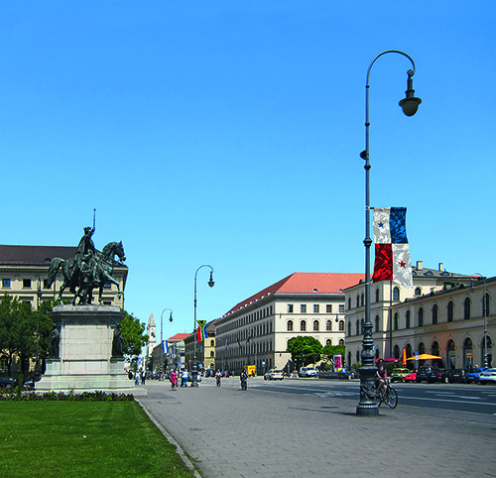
(392, 399)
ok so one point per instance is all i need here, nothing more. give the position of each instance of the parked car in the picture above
(274, 374)
(424, 372)
(412, 377)
(439, 375)
(458, 376)
(6, 382)
(489, 375)
(307, 372)
(398, 374)
(474, 374)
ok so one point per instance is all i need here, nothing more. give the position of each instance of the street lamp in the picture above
(162, 328)
(484, 315)
(194, 371)
(37, 365)
(368, 405)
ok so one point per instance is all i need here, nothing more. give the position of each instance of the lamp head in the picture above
(170, 318)
(211, 280)
(411, 103)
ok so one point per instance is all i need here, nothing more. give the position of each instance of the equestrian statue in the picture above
(89, 269)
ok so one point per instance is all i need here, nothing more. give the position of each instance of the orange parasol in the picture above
(403, 359)
(425, 357)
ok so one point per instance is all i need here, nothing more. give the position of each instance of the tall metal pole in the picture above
(162, 327)
(194, 371)
(368, 404)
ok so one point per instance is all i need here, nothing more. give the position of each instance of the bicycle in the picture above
(218, 381)
(244, 384)
(388, 396)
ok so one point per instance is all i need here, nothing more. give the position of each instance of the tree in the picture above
(304, 350)
(133, 336)
(331, 350)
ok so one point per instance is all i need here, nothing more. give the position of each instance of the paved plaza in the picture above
(230, 433)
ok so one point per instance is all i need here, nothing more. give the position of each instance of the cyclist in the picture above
(243, 377)
(381, 380)
(218, 376)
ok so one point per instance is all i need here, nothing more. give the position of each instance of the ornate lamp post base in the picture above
(368, 405)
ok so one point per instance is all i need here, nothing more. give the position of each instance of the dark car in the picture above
(439, 375)
(473, 375)
(424, 372)
(459, 375)
(6, 382)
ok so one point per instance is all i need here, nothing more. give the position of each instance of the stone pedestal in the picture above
(85, 349)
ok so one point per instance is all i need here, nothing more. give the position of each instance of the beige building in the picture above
(256, 331)
(205, 349)
(442, 315)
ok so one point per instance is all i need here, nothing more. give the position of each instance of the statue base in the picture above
(85, 349)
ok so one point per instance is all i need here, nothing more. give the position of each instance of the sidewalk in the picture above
(230, 433)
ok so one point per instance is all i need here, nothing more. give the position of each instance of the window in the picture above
(328, 342)
(450, 311)
(26, 283)
(434, 315)
(362, 300)
(341, 342)
(358, 301)
(377, 323)
(341, 308)
(421, 317)
(395, 326)
(290, 308)
(466, 309)
(45, 284)
(357, 327)
(212, 354)
(328, 325)
(396, 293)
(290, 326)
(349, 329)
(341, 325)
(303, 326)
(5, 282)
(377, 295)
(418, 291)
(316, 308)
(303, 308)
(407, 319)
(315, 325)
(349, 303)
(329, 308)
(212, 343)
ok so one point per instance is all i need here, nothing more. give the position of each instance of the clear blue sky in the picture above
(228, 133)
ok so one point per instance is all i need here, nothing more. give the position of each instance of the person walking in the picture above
(184, 377)
(173, 379)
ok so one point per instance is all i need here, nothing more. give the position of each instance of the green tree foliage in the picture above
(331, 350)
(304, 350)
(133, 336)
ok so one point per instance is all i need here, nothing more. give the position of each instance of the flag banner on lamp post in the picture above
(202, 330)
(392, 252)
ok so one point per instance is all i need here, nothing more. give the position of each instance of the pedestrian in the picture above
(184, 377)
(173, 379)
(136, 376)
(143, 377)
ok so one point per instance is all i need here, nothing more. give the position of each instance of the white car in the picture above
(308, 372)
(274, 374)
(487, 376)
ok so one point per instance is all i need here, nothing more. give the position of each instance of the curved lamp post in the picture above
(162, 327)
(484, 315)
(194, 371)
(368, 405)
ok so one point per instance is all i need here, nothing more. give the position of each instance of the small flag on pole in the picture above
(202, 330)
(392, 252)
(225, 348)
(163, 346)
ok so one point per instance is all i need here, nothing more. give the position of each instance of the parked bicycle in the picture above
(388, 395)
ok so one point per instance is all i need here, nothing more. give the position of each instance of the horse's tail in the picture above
(52, 272)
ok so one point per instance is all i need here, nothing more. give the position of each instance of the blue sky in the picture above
(228, 133)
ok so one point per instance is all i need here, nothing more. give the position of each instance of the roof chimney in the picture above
(441, 267)
(420, 265)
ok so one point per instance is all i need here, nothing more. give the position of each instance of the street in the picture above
(308, 427)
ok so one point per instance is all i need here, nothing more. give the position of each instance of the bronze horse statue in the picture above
(97, 272)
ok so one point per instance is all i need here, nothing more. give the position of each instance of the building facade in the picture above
(442, 315)
(205, 349)
(256, 331)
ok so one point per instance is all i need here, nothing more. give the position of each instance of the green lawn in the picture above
(83, 439)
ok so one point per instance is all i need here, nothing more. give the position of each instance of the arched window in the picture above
(358, 301)
(328, 342)
(377, 323)
(349, 303)
(212, 354)
(328, 325)
(421, 348)
(396, 293)
(361, 328)
(315, 325)
(303, 326)
(418, 291)
(341, 341)
(434, 314)
(357, 356)
(396, 325)
(341, 325)
(290, 326)
(407, 319)
(377, 295)
(357, 328)
(396, 352)
(468, 350)
(421, 317)
(451, 354)
(212, 343)
(362, 300)
(450, 311)
(349, 329)
(466, 309)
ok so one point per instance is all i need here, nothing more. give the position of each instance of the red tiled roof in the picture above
(33, 255)
(178, 337)
(305, 283)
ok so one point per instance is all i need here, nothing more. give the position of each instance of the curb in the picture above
(172, 441)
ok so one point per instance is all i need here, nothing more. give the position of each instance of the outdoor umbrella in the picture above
(403, 359)
(425, 357)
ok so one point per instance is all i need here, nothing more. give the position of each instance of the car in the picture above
(439, 375)
(458, 376)
(489, 375)
(7, 382)
(412, 377)
(398, 374)
(424, 372)
(274, 374)
(474, 374)
(307, 372)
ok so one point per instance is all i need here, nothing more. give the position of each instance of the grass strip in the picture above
(81, 439)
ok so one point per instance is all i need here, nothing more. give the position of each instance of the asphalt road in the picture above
(459, 397)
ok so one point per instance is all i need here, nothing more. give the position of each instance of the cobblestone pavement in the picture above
(230, 433)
